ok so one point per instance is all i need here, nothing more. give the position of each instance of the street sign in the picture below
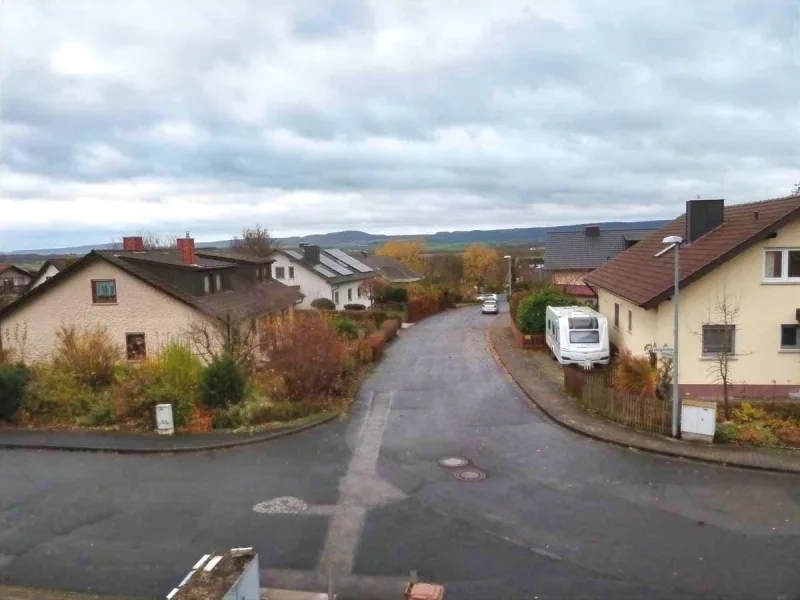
(664, 351)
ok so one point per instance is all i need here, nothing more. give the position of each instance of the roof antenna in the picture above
(187, 235)
(698, 196)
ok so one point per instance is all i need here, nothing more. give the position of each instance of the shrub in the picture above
(747, 413)
(532, 311)
(788, 432)
(355, 307)
(99, 415)
(377, 344)
(306, 353)
(363, 351)
(757, 435)
(178, 380)
(13, 381)
(279, 412)
(54, 394)
(375, 317)
(89, 354)
(728, 433)
(634, 374)
(222, 383)
(323, 304)
(390, 328)
(396, 294)
(346, 328)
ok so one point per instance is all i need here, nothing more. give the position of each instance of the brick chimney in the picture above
(186, 246)
(133, 244)
(592, 231)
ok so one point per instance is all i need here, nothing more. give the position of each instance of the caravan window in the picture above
(583, 323)
(584, 336)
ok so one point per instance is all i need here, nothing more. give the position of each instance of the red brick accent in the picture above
(759, 391)
(528, 341)
(133, 244)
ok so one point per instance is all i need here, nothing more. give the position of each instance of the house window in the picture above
(104, 291)
(790, 337)
(207, 284)
(291, 272)
(349, 294)
(782, 266)
(359, 293)
(336, 297)
(135, 346)
(616, 314)
(718, 339)
(280, 272)
(218, 282)
(630, 320)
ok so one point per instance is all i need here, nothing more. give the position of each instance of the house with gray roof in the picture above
(389, 268)
(322, 273)
(571, 255)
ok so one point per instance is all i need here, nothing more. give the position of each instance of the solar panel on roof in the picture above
(294, 254)
(349, 260)
(323, 271)
(340, 269)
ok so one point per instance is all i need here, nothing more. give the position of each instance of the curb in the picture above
(256, 439)
(629, 445)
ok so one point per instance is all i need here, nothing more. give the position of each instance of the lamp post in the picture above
(508, 256)
(675, 241)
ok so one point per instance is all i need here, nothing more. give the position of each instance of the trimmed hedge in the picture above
(323, 304)
(532, 312)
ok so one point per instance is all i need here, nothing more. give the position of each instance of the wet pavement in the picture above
(557, 515)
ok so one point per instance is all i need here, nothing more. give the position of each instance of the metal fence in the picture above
(594, 389)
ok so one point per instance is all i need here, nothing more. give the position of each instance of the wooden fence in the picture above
(528, 341)
(594, 389)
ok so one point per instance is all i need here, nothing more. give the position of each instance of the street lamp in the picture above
(675, 242)
(508, 256)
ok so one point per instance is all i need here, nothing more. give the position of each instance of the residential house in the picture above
(50, 268)
(322, 273)
(144, 298)
(14, 279)
(529, 269)
(389, 268)
(739, 296)
(571, 255)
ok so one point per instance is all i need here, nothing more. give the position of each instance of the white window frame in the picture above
(291, 272)
(784, 266)
(789, 348)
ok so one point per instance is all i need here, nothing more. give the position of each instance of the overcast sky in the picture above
(389, 116)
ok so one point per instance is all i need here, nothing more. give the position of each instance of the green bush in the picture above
(177, 381)
(355, 307)
(89, 354)
(99, 415)
(396, 294)
(13, 381)
(279, 412)
(323, 304)
(346, 328)
(54, 394)
(222, 383)
(728, 433)
(747, 413)
(531, 315)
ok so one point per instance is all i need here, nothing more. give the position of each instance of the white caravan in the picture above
(577, 335)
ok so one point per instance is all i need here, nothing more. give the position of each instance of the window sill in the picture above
(715, 359)
(780, 282)
(105, 303)
(789, 351)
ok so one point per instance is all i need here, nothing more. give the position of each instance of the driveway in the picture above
(557, 515)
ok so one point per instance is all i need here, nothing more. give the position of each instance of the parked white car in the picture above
(490, 307)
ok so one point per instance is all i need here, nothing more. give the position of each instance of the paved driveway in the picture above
(557, 515)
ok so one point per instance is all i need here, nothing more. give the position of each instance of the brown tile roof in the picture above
(243, 302)
(644, 279)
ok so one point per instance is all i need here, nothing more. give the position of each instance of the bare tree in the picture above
(152, 241)
(796, 190)
(718, 340)
(255, 241)
(227, 336)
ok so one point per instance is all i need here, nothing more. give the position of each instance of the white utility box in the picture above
(164, 422)
(231, 575)
(698, 420)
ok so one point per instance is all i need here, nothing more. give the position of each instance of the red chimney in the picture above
(133, 244)
(186, 246)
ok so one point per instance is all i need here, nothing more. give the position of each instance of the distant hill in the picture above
(363, 240)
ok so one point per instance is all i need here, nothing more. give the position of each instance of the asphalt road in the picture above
(557, 515)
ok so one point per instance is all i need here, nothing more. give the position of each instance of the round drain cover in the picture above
(287, 505)
(453, 462)
(470, 475)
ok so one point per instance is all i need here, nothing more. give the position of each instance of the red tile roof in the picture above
(579, 290)
(644, 279)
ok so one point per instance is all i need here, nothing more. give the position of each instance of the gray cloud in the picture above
(309, 116)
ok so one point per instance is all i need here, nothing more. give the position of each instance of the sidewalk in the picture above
(144, 443)
(568, 413)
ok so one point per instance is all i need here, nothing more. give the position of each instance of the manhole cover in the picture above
(286, 505)
(470, 475)
(453, 462)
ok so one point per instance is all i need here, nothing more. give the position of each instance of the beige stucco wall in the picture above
(644, 323)
(569, 277)
(139, 309)
(762, 307)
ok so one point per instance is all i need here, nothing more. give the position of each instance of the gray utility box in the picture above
(698, 420)
(229, 575)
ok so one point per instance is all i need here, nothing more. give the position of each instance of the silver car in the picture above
(490, 307)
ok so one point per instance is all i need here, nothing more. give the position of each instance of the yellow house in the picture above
(739, 296)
